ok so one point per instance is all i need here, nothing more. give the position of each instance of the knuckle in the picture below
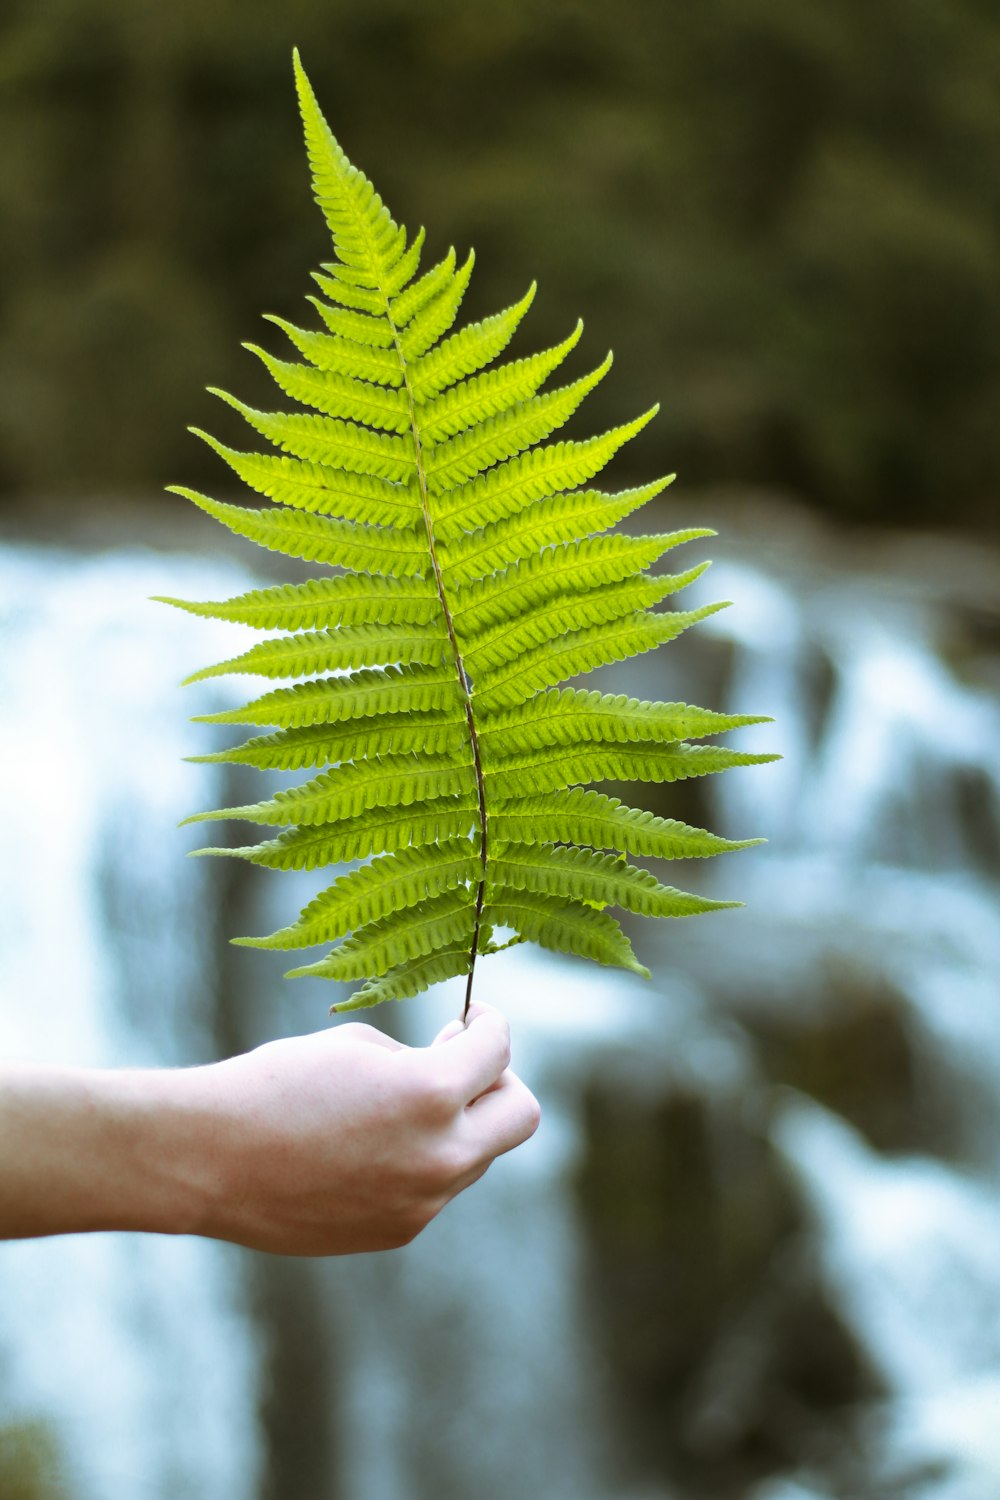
(352, 1030)
(441, 1098)
(447, 1164)
(501, 1027)
(525, 1110)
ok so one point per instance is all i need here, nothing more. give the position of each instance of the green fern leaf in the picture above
(582, 875)
(376, 549)
(323, 744)
(563, 925)
(338, 395)
(375, 781)
(531, 477)
(335, 650)
(344, 599)
(439, 922)
(331, 700)
(411, 978)
(471, 349)
(591, 818)
(566, 518)
(389, 884)
(495, 391)
(474, 574)
(568, 716)
(339, 356)
(379, 830)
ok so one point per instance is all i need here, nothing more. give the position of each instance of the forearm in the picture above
(83, 1149)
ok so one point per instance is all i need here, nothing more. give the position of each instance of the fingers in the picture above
(472, 1059)
(504, 1117)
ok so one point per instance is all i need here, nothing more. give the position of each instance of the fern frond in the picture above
(586, 817)
(334, 650)
(354, 298)
(328, 445)
(331, 700)
(565, 518)
(509, 487)
(324, 489)
(409, 979)
(440, 922)
(582, 875)
(568, 716)
(338, 395)
(565, 569)
(366, 238)
(339, 356)
(479, 447)
(347, 544)
(378, 830)
(406, 304)
(389, 884)
(564, 926)
(470, 349)
(533, 771)
(474, 574)
(558, 615)
(495, 391)
(344, 599)
(436, 317)
(321, 744)
(360, 327)
(377, 781)
(555, 659)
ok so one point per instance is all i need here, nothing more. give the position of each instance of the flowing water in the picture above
(523, 1343)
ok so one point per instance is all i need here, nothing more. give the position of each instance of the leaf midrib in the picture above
(446, 611)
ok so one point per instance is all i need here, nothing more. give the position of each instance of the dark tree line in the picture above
(785, 219)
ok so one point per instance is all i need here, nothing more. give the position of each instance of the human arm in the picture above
(326, 1144)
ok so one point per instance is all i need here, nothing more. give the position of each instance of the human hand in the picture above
(345, 1140)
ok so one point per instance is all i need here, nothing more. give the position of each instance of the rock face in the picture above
(731, 1359)
(29, 1462)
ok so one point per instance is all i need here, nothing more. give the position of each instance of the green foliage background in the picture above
(784, 218)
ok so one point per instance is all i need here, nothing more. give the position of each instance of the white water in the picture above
(135, 1350)
(469, 1358)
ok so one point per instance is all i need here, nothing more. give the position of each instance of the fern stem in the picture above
(459, 664)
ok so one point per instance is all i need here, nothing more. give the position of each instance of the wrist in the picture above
(161, 1139)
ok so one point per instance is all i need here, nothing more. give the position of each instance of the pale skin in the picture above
(326, 1144)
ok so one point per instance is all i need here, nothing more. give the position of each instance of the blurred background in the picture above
(754, 1252)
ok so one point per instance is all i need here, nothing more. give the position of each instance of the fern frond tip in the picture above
(200, 817)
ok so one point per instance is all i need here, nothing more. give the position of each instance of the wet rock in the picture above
(855, 1051)
(30, 1467)
(725, 1356)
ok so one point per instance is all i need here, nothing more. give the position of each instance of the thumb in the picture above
(446, 1033)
